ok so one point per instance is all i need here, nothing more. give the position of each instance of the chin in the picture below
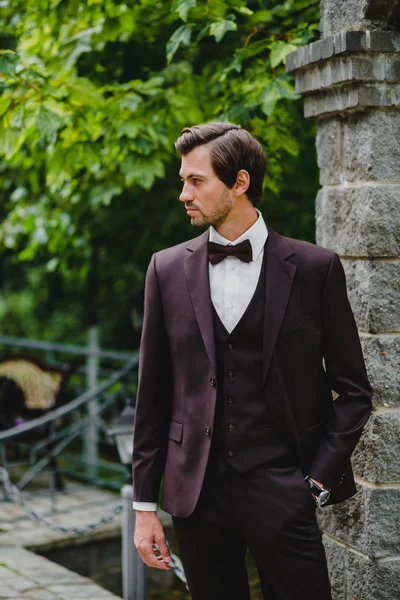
(197, 222)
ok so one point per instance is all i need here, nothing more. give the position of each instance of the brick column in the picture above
(351, 82)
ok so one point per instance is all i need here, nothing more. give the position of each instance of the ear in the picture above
(242, 183)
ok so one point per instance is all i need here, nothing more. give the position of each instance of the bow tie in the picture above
(217, 252)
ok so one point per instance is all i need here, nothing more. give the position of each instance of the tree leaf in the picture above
(279, 51)
(48, 123)
(8, 62)
(219, 28)
(181, 36)
(270, 97)
(101, 195)
(5, 103)
(255, 48)
(246, 11)
(286, 88)
(182, 7)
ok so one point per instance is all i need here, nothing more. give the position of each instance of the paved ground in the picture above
(27, 576)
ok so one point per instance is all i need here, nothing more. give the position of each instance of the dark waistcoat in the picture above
(244, 436)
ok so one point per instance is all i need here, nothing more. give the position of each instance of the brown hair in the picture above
(232, 149)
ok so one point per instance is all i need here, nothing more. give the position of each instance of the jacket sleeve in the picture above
(154, 396)
(345, 368)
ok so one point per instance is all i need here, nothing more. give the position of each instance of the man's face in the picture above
(208, 200)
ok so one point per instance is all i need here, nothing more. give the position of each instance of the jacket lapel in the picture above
(196, 273)
(279, 277)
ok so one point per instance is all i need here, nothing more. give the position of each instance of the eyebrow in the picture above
(192, 175)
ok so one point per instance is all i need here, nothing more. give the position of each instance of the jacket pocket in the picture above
(298, 325)
(176, 431)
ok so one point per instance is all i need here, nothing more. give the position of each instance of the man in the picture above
(245, 335)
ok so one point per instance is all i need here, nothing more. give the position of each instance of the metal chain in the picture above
(176, 566)
(15, 495)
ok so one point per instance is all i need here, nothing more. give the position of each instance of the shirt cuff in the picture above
(149, 506)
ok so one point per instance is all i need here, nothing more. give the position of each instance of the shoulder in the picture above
(307, 257)
(311, 253)
(170, 257)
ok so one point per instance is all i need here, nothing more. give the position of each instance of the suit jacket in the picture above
(311, 347)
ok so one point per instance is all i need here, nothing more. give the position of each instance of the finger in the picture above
(163, 548)
(162, 562)
(149, 557)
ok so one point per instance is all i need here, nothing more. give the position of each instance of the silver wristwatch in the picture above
(321, 494)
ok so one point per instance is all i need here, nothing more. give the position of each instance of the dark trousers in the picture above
(268, 510)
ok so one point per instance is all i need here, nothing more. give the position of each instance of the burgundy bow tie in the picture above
(217, 252)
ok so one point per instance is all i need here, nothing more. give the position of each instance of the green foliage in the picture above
(91, 102)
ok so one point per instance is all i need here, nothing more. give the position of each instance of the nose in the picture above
(186, 195)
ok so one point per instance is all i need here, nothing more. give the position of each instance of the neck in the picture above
(239, 220)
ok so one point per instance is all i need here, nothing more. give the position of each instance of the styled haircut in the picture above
(232, 148)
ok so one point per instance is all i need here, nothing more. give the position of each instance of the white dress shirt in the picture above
(232, 285)
(232, 281)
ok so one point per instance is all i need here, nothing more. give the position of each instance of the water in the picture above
(100, 560)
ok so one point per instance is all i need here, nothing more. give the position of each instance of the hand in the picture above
(149, 532)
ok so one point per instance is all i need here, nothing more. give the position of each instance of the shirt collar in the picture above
(257, 234)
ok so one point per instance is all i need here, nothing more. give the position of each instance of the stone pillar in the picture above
(350, 80)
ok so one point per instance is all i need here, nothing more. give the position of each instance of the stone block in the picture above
(371, 146)
(330, 150)
(362, 221)
(392, 68)
(344, 42)
(41, 594)
(354, 97)
(379, 94)
(351, 69)
(327, 48)
(361, 147)
(376, 457)
(372, 580)
(336, 557)
(349, 41)
(315, 51)
(382, 41)
(19, 583)
(369, 522)
(382, 358)
(374, 294)
(341, 15)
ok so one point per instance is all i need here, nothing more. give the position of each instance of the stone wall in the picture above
(350, 80)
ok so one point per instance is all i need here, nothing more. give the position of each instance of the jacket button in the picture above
(231, 374)
(208, 431)
(231, 427)
(230, 454)
(213, 383)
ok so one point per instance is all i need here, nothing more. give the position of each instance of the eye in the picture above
(195, 181)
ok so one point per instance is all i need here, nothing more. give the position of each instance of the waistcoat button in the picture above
(231, 401)
(231, 374)
(230, 346)
(231, 427)
(230, 454)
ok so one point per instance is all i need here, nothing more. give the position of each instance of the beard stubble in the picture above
(218, 215)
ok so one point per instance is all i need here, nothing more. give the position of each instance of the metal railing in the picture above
(72, 433)
(61, 432)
